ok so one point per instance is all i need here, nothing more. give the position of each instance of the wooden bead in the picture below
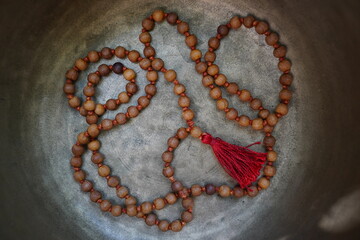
(269, 171)
(244, 121)
(272, 39)
(145, 63)
(167, 157)
(97, 158)
(176, 186)
(94, 145)
(184, 101)
(159, 203)
(168, 171)
(215, 93)
(74, 102)
(170, 75)
(86, 186)
(120, 118)
(235, 22)
(148, 24)
(111, 104)
(263, 183)
(72, 74)
(271, 156)
(285, 94)
(146, 207)
(272, 119)
(262, 27)
(286, 79)
(195, 54)
(232, 88)
(269, 141)
(238, 192)
(104, 70)
(279, 52)
(210, 189)
(182, 133)
(171, 198)
(179, 89)
(196, 190)
(281, 109)
(113, 181)
(158, 15)
(120, 52)
(82, 138)
(106, 124)
(93, 78)
(220, 80)
(188, 115)
(210, 57)
(172, 18)
(163, 225)
(81, 64)
(173, 142)
(186, 216)
(76, 161)
(150, 89)
(214, 43)
(284, 65)
(232, 114)
(201, 67)
(187, 203)
(106, 53)
(89, 91)
(145, 37)
(183, 27)
(131, 210)
(157, 64)
(264, 113)
(133, 56)
(252, 191)
(222, 104)
(213, 70)
(257, 124)
(196, 132)
(69, 88)
(104, 171)
(123, 97)
(79, 176)
(122, 192)
(223, 30)
(248, 21)
(116, 210)
(133, 111)
(224, 191)
(176, 226)
(245, 95)
(149, 51)
(105, 205)
(152, 76)
(129, 74)
(143, 101)
(95, 195)
(191, 40)
(255, 104)
(207, 80)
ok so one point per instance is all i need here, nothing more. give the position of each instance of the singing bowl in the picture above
(315, 193)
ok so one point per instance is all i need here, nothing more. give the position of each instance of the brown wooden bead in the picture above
(182, 133)
(280, 52)
(131, 88)
(86, 186)
(145, 63)
(95, 195)
(106, 124)
(81, 64)
(213, 70)
(210, 189)
(150, 220)
(93, 130)
(89, 91)
(281, 109)
(149, 51)
(252, 191)
(143, 101)
(268, 129)
(104, 70)
(215, 93)
(271, 156)
(122, 192)
(222, 104)
(183, 27)
(69, 88)
(195, 54)
(104, 171)
(170, 75)
(171, 198)
(106, 53)
(286, 79)
(255, 104)
(210, 57)
(150, 89)
(191, 40)
(272, 38)
(113, 181)
(262, 27)
(116, 210)
(285, 94)
(269, 141)
(94, 145)
(263, 183)
(173, 142)
(223, 30)
(238, 192)
(76, 162)
(93, 56)
(131, 210)
(201, 67)
(159, 203)
(93, 78)
(79, 175)
(148, 24)
(111, 104)
(168, 171)
(184, 101)
(196, 132)
(264, 113)
(158, 15)
(105, 205)
(232, 114)
(82, 138)
(248, 21)
(77, 150)
(167, 156)
(97, 158)
(196, 190)
(72, 74)
(235, 22)
(146, 207)
(207, 80)
(164, 225)
(172, 18)
(120, 118)
(269, 171)
(244, 121)
(74, 102)
(130, 200)
(232, 88)
(257, 124)
(224, 191)
(176, 226)
(272, 119)
(89, 105)
(245, 95)
(176, 186)
(120, 52)
(157, 64)
(179, 89)
(133, 111)
(186, 216)
(220, 80)
(214, 43)
(188, 115)
(129, 74)
(133, 55)
(284, 65)
(187, 203)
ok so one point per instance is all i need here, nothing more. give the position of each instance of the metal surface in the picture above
(315, 194)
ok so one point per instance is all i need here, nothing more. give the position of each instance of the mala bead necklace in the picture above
(241, 163)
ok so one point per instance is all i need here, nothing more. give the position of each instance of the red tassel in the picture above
(240, 163)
